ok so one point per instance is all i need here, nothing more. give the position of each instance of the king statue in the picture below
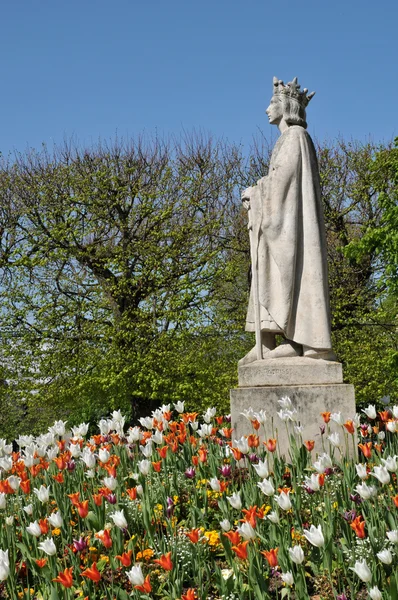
(289, 293)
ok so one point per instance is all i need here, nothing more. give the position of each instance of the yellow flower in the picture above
(56, 531)
(145, 554)
(213, 538)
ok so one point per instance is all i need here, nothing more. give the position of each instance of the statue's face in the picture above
(275, 111)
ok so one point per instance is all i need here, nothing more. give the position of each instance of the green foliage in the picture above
(125, 275)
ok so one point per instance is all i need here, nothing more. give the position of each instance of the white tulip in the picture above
(362, 570)
(215, 484)
(393, 536)
(287, 578)
(103, 455)
(9, 520)
(266, 487)
(179, 407)
(381, 474)
(261, 416)
(34, 529)
(273, 517)
(385, 556)
(315, 536)
(283, 501)
(248, 414)
(146, 422)
(370, 411)
(242, 445)
(361, 471)
(3, 501)
(324, 462)
(28, 509)
(312, 482)
(296, 554)
(390, 463)
(337, 418)
(135, 575)
(262, 468)
(209, 414)
(4, 565)
(334, 439)
(225, 525)
(110, 483)
(14, 482)
(285, 403)
(392, 426)
(235, 500)
(75, 450)
(119, 519)
(247, 531)
(144, 466)
(375, 593)
(147, 450)
(157, 437)
(88, 458)
(366, 491)
(42, 493)
(205, 430)
(56, 519)
(48, 547)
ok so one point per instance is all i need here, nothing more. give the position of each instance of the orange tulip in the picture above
(326, 416)
(250, 515)
(43, 524)
(145, 588)
(125, 558)
(195, 461)
(270, 445)
(253, 440)
(25, 486)
(82, 508)
(92, 573)
(395, 500)
(193, 535)
(5, 487)
(157, 466)
(60, 462)
(132, 492)
(349, 425)
(202, 454)
(321, 479)
(59, 478)
(256, 424)
(74, 498)
(271, 556)
(111, 469)
(165, 561)
(41, 562)
(162, 451)
(190, 595)
(385, 415)
(358, 525)
(97, 499)
(241, 550)
(105, 538)
(233, 536)
(237, 453)
(366, 449)
(309, 444)
(65, 578)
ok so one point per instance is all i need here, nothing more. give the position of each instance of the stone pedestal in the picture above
(313, 386)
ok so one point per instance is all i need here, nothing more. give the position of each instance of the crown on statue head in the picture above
(292, 90)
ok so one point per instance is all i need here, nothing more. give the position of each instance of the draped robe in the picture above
(289, 236)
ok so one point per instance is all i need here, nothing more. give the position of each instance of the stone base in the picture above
(309, 401)
(290, 371)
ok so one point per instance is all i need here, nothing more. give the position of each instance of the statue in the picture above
(289, 291)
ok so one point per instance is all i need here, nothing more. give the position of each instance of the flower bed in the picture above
(179, 509)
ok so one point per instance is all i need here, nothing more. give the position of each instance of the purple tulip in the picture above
(111, 498)
(349, 515)
(253, 458)
(80, 544)
(225, 470)
(70, 465)
(190, 473)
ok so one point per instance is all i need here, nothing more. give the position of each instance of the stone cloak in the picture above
(289, 234)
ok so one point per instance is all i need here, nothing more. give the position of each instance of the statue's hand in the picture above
(245, 196)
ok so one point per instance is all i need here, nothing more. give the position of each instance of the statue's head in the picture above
(289, 103)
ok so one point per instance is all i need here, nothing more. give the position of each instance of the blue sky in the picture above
(89, 69)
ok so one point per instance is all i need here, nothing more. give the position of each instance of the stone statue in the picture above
(289, 292)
